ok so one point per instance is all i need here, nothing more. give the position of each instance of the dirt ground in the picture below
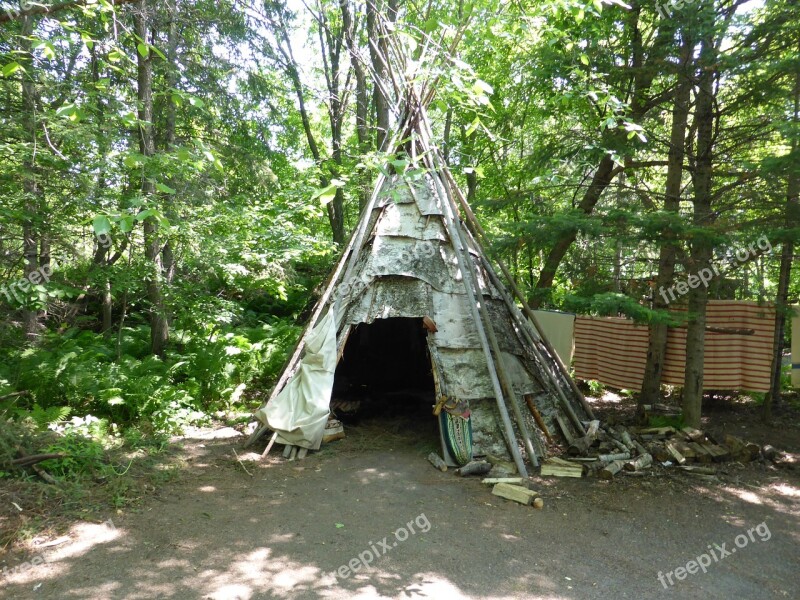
(284, 529)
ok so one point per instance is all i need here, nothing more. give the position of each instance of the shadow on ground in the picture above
(285, 528)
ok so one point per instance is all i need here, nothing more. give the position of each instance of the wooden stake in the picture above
(538, 418)
(269, 446)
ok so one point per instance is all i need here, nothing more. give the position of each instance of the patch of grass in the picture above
(666, 421)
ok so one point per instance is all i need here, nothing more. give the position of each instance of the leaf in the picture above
(47, 47)
(115, 56)
(585, 59)
(145, 214)
(101, 225)
(162, 187)
(11, 68)
(328, 195)
(472, 127)
(126, 223)
(480, 86)
(339, 525)
(143, 49)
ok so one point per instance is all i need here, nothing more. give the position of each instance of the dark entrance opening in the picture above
(385, 371)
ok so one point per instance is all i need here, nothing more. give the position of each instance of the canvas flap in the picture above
(299, 412)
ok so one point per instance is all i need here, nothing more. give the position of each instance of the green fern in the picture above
(44, 417)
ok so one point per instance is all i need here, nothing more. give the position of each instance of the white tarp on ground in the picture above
(299, 412)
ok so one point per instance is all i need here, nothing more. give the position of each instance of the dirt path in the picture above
(219, 533)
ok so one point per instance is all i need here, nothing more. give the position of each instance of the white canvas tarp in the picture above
(299, 412)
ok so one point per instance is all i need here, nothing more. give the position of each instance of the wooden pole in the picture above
(460, 251)
(478, 230)
(505, 381)
(550, 376)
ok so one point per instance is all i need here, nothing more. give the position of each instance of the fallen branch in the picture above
(28, 461)
(239, 460)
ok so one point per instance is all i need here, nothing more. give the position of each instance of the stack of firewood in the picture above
(605, 452)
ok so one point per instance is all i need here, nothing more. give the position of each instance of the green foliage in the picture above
(666, 421)
(79, 372)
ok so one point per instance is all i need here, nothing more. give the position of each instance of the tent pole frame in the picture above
(480, 234)
(470, 287)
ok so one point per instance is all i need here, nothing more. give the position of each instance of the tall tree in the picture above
(159, 325)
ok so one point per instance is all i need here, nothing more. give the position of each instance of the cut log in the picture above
(334, 430)
(302, 453)
(658, 451)
(538, 503)
(494, 480)
(639, 448)
(437, 462)
(557, 467)
(693, 435)
(581, 446)
(607, 473)
(609, 458)
(698, 470)
(287, 450)
(658, 431)
(684, 448)
(475, 467)
(771, 453)
(701, 454)
(676, 456)
(718, 453)
(591, 469)
(626, 439)
(515, 492)
(640, 463)
(741, 450)
(501, 465)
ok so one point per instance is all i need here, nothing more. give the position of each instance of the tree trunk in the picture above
(379, 99)
(787, 254)
(170, 134)
(159, 328)
(647, 63)
(362, 96)
(603, 176)
(31, 185)
(701, 247)
(657, 346)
